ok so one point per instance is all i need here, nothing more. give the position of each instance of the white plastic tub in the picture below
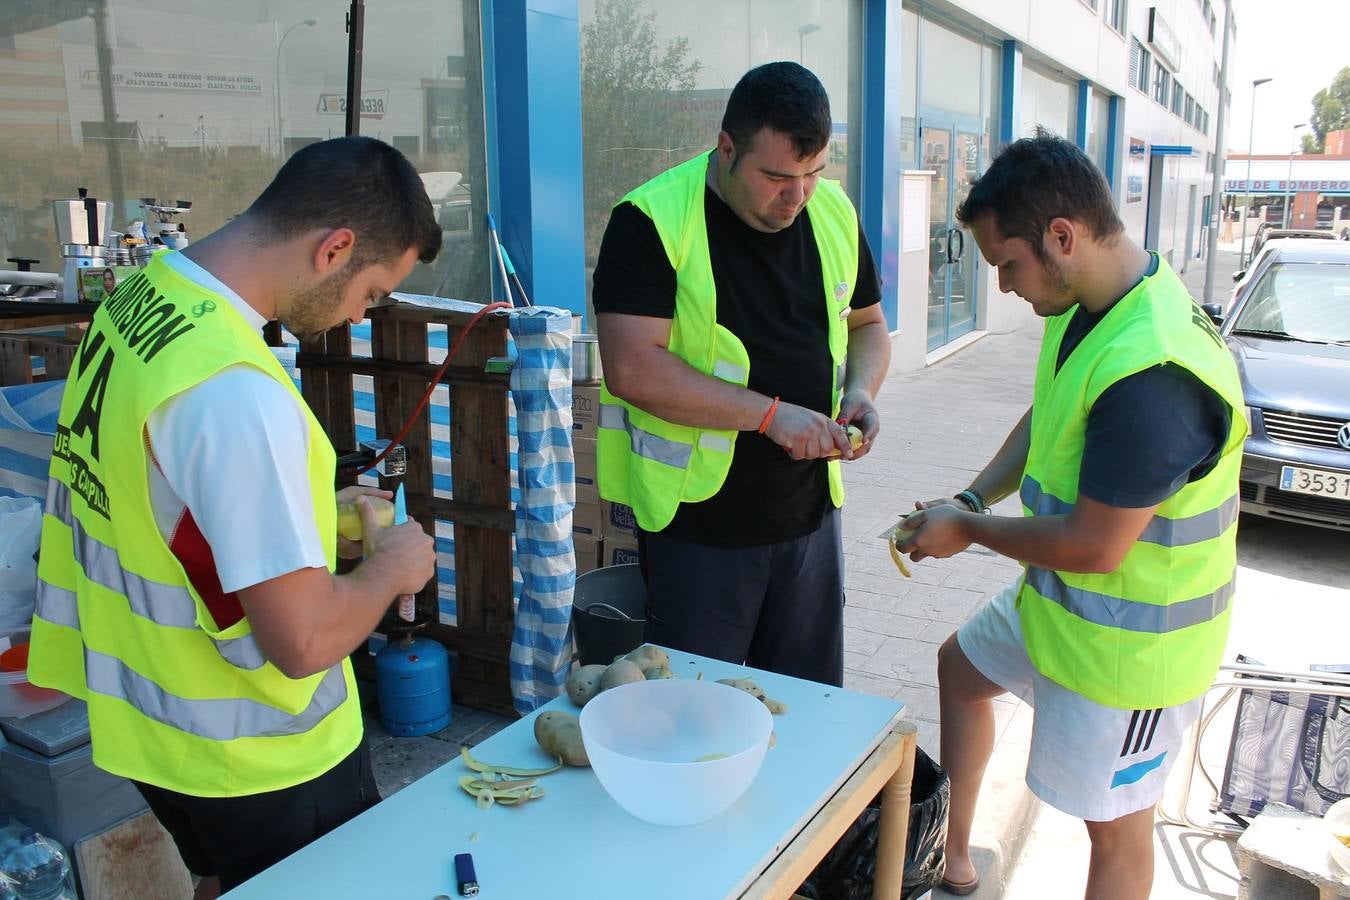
(17, 696)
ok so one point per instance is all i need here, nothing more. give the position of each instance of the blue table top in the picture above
(576, 841)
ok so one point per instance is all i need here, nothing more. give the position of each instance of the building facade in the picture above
(547, 111)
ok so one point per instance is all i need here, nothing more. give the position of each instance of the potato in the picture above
(621, 672)
(560, 736)
(647, 656)
(349, 517)
(658, 672)
(584, 683)
(855, 438)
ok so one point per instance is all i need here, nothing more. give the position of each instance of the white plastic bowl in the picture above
(645, 742)
(1337, 821)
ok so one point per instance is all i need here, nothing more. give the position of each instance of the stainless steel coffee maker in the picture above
(82, 230)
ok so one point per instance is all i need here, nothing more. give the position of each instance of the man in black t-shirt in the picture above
(754, 573)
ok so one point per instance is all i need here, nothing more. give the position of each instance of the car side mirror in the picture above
(1237, 276)
(1214, 311)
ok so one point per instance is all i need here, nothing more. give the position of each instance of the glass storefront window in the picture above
(1099, 125)
(949, 71)
(203, 101)
(422, 91)
(655, 78)
(1047, 102)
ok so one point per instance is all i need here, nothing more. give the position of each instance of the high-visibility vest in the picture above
(654, 465)
(174, 700)
(1151, 633)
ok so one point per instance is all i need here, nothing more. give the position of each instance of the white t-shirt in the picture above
(231, 453)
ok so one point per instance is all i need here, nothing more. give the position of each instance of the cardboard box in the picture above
(588, 519)
(619, 521)
(618, 551)
(588, 486)
(585, 411)
(588, 551)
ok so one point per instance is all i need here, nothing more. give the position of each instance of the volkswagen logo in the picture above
(1343, 436)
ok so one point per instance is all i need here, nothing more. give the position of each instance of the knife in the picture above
(407, 603)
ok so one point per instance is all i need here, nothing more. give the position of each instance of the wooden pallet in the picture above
(55, 349)
(480, 463)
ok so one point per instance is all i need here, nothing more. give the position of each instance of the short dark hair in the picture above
(358, 183)
(784, 96)
(1038, 179)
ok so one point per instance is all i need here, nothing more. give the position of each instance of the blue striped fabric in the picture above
(541, 388)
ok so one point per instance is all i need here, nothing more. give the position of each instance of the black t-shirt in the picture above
(1148, 434)
(770, 294)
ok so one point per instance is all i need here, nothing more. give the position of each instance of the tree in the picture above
(1330, 112)
(633, 126)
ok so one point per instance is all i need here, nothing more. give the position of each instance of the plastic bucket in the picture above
(609, 613)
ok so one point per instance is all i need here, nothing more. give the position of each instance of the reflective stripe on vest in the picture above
(1160, 530)
(654, 447)
(1130, 615)
(217, 719)
(728, 371)
(164, 604)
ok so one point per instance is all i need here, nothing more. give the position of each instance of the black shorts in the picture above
(235, 838)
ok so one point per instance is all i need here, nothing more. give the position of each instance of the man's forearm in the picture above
(1051, 542)
(669, 388)
(1003, 475)
(869, 358)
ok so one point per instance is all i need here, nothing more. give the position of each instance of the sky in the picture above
(1300, 44)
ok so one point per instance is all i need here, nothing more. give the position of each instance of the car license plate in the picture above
(1317, 482)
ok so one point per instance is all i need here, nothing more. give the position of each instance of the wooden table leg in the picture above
(890, 875)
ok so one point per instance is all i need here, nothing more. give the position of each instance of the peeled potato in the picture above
(855, 437)
(349, 517)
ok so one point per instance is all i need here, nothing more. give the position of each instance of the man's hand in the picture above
(939, 530)
(856, 409)
(352, 549)
(806, 434)
(405, 554)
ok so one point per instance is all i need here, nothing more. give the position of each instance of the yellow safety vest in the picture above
(654, 465)
(173, 700)
(1151, 633)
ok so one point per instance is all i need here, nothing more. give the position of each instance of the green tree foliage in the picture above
(633, 122)
(1330, 112)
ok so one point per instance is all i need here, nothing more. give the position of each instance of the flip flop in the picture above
(960, 889)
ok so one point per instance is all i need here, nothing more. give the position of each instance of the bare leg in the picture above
(1122, 857)
(208, 888)
(965, 700)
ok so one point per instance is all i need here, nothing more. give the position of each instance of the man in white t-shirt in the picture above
(217, 637)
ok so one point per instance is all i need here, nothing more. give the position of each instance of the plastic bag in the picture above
(847, 871)
(20, 530)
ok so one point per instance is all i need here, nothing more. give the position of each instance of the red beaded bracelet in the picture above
(768, 416)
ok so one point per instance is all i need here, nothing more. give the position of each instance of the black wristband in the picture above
(973, 501)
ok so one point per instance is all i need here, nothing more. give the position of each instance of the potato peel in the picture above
(898, 559)
(492, 768)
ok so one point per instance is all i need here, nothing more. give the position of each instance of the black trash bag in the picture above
(847, 871)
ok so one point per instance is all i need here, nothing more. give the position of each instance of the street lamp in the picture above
(276, 80)
(802, 32)
(1247, 203)
(1289, 179)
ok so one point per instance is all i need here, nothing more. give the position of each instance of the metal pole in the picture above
(1247, 203)
(281, 143)
(111, 140)
(1289, 178)
(356, 32)
(1220, 159)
